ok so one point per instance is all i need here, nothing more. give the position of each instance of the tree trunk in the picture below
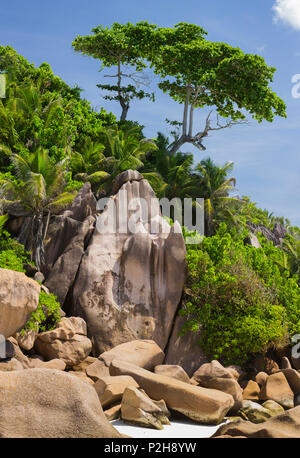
(125, 108)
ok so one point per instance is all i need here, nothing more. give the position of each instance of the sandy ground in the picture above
(179, 429)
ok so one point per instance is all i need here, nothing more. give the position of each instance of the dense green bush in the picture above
(12, 253)
(46, 316)
(243, 299)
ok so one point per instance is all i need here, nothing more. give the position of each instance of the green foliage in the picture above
(242, 298)
(46, 316)
(12, 253)
(120, 45)
(40, 110)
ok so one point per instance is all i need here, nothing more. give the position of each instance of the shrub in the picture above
(243, 301)
(46, 316)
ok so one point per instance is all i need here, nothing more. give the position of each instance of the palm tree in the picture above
(215, 187)
(86, 164)
(39, 189)
(124, 150)
(174, 169)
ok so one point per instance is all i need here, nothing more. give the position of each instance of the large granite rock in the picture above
(45, 403)
(19, 297)
(63, 272)
(129, 284)
(142, 353)
(200, 404)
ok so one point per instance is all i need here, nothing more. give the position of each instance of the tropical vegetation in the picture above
(245, 300)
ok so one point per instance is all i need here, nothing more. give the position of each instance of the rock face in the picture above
(142, 353)
(19, 297)
(286, 425)
(200, 404)
(67, 342)
(185, 350)
(139, 409)
(83, 206)
(63, 271)
(129, 283)
(40, 403)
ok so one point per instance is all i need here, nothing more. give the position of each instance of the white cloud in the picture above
(288, 11)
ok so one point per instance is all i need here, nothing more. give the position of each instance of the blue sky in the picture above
(266, 156)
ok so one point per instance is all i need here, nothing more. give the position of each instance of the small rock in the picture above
(139, 409)
(39, 277)
(254, 412)
(26, 340)
(285, 363)
(273, 407)
(261, 378)
(251, 392)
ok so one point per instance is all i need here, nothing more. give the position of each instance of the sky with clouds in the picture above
(266, 156)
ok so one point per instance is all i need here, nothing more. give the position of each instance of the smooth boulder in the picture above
(45, 403)
(200, 404)
(19, 297)
(142, 353)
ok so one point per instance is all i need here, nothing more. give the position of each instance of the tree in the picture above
(198, 73)
(124, 150)
(120, 46)
(86, 164)
(215, 187)
(39, 189)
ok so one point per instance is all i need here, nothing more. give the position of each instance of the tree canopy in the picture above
(120, 46)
